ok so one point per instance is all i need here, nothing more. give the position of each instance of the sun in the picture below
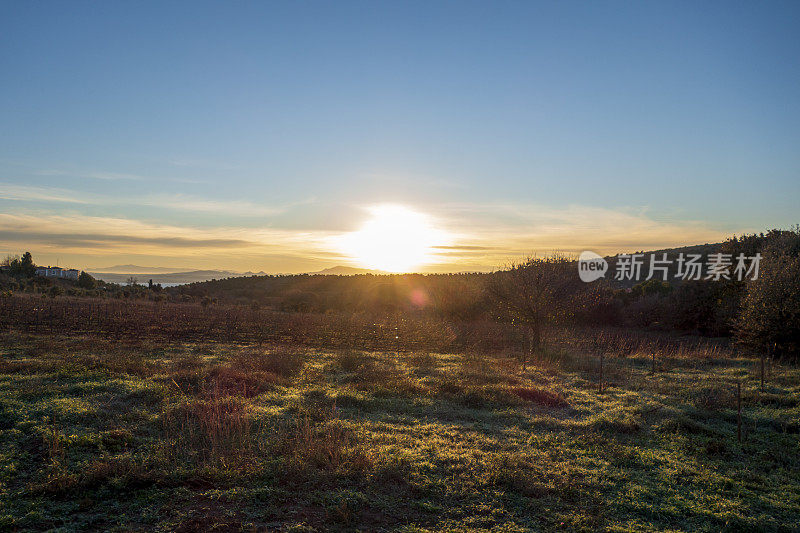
(394, 239)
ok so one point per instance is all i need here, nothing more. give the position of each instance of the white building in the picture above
(58, 272)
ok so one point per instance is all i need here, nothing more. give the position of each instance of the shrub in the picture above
(706, 307)
(644, 312)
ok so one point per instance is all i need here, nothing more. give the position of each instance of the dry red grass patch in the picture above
(282, 362)
(540, 396)
(227, 381)
(216, 431)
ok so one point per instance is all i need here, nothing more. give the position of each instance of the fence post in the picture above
(772, 350)
(739, 411)
(602, 357)
(529, 353)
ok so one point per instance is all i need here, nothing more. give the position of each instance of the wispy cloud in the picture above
(113, 176)
(498, 232)
(228, 207)
(178, 202)
(84, 234)
(483, 236)
(25, 193)
(106, 176)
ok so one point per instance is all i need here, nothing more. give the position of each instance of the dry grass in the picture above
(540, 396)
(218, 431)
(213, 435)
(324, 442)
(423, 362)
(713, 397)
(280, 361)
(349, 360)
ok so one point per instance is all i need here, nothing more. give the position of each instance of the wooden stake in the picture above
(739, 411)
(762, 372)
(772, 354)
(530, 350)
(601, 371)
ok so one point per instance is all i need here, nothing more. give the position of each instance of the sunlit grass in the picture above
(157, 436)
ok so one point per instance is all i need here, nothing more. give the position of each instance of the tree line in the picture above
(762, 314)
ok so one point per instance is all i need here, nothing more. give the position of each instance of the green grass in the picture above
(109, 435)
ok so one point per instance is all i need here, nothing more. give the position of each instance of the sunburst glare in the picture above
(394, 239)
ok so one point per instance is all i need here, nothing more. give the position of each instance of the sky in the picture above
(260, 136)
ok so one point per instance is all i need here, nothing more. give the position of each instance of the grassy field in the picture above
(100, 434)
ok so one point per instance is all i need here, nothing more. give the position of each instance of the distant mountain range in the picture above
(132, 269)
(168, 276)
(346, 271)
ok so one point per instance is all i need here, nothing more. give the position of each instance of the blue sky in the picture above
(249, 136)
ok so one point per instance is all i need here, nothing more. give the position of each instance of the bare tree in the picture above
(535, 293)
(9, 261)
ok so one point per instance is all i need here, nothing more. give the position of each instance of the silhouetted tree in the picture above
(86, 281)
(770, 317)
(27, 262)
(20, 267)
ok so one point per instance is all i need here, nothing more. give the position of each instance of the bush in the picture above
(644, 312)
(652, 287)
(705, 307)
(300, 301)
